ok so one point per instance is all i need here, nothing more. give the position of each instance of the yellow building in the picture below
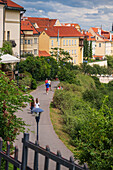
(10, 14)
(65, 37)
(29, 38)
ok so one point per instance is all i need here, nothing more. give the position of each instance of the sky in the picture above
(86, 13)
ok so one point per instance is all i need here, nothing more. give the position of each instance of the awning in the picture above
(7, 58)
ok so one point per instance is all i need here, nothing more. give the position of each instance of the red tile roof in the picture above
(11, 4)
(27, 26)
(42, 22)
(105, 35)
(90, 37)
(44, 54)
(64, 31)
(95, 56)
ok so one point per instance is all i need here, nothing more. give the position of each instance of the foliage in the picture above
(60, 55)
(110, 61)
(39, 67)
(11, 99)
(95, 142)
(33, 84)
(88, 119)
(7, 48)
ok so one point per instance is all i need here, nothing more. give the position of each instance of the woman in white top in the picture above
(37, 104)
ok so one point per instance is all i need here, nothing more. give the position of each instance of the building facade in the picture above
(67, 38)
(29, 39)
(10, 20)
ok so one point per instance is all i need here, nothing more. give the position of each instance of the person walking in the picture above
(32, 105)
(49, 81)
(47, 88)
(37, 104)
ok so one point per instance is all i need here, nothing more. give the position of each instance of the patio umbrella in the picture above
(37, 110)
(7, 58)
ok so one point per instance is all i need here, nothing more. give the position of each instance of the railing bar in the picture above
(1, 143)
(7, 153)
(50, 155)
(46, 165)
(15, 157)
(11, 160)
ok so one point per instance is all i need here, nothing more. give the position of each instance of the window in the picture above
(72, 42)
(66, 42)
(35, 51)
(28, 41)
(21, 41)
(75, 51)
(8, 35)
(75, 42)
(99, 44)
(31, 41)
(72, 51)
(51, 42)
(69, 42)
(63, 42)
(69, 51)
(74, 61)
(25, 41)
(35, 40)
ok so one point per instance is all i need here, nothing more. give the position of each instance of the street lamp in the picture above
(38, 112)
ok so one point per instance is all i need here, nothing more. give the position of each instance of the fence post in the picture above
(36, 158)
(85, 166)
(58, 164)
(72, 161)
(1, 143)
(46, 166)
(7, 153)
(25, 151)
(15, 157)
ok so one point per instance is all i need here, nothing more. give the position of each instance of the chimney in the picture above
(112, 26)
(99, 31)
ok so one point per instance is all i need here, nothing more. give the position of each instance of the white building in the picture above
(10, 20)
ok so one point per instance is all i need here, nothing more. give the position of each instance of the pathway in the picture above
(47, 136)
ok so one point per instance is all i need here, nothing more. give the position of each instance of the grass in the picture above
(57, 121)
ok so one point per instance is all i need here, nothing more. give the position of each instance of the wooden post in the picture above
(7, 153)
(15, 157)
(46, 166)
(1, 143)
(58, 164)
(25, 151)
(72, 161)
(36, 158)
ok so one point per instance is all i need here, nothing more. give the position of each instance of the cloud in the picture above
(86, 13)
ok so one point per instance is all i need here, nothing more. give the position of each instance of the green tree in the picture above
(11, 100)
(90, 50)
(60, 55)
(86, 49)
(7, 48)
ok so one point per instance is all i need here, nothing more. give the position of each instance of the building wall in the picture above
(100, 50)
(29, 44)
(44, 42)
(1, 24)
(12, 24)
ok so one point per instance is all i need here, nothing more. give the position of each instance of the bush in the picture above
(33, 84)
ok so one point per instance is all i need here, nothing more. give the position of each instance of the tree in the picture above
(7, 48)
(90, 50)
(60, 55)
(11, 99)
(86, 50)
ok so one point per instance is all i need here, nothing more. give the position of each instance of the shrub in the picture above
(33, 84)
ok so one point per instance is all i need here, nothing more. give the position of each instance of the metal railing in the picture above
(38, 150)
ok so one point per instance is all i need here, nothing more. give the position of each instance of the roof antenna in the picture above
(112, 26)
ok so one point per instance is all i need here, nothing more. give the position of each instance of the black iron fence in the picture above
(38, 150)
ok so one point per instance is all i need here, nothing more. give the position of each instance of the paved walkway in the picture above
(47, 136)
